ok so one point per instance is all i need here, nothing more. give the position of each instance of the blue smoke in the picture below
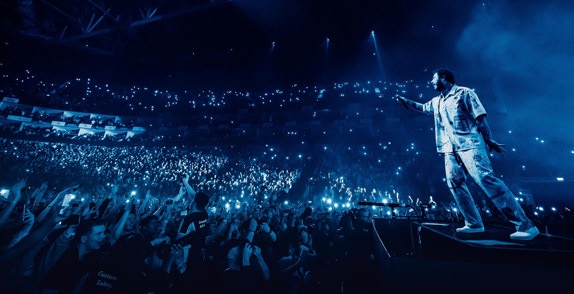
(524, 54)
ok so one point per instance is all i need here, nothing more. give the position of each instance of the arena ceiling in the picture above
(228, 34)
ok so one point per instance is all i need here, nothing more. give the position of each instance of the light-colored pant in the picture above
(475, 162)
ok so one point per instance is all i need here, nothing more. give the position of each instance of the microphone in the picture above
(391, 205)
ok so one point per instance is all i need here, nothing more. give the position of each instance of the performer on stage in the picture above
(462, 135)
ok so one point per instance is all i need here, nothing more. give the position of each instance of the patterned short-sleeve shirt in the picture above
(455, 120)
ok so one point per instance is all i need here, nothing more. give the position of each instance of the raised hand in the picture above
(232, 229)
(247, 251)
(177, 253)
(253, 224)
(40, 191)
(186, 177)
(257, 252)
(70, 232)
(182, 190)
(265, 228)
(28, 218)
(114, 189)
(17, 188)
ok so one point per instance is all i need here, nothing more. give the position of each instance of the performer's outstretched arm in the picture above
(409, 103)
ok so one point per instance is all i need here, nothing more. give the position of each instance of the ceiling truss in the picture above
(101, 25)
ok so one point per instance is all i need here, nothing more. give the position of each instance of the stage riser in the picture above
(439, 247)
(400, 239)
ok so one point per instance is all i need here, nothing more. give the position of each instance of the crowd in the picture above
(238, 174)
(163, 110)
(104, 219)
(108, 242)
(176, 116)
(360, 109)
(156, 168)
(89, 96)
(172, 218)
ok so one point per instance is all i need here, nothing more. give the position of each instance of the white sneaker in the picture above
(525, 235)
(469, 230)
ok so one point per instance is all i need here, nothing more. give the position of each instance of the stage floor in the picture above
(488, 262)
(498, 236)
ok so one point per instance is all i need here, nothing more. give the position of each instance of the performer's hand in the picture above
(493, 145)
(402, 100)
